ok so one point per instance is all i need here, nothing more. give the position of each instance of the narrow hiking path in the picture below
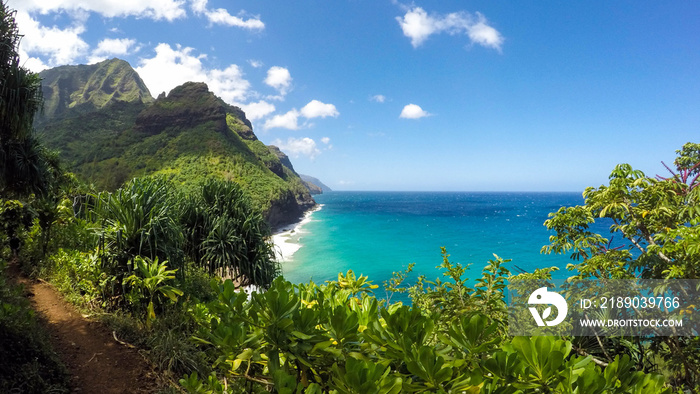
(96, 362)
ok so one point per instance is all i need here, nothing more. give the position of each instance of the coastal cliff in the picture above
(108, 129)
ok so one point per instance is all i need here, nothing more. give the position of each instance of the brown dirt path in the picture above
(96, 362)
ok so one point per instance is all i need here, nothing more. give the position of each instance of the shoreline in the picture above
(286, 238)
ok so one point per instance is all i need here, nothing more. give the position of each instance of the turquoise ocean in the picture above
(377, 233)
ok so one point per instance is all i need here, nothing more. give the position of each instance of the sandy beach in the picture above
(287, 239)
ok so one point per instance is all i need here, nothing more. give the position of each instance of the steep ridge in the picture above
(314, 184)
(107, 138)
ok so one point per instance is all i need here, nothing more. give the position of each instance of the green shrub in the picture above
(336, 338)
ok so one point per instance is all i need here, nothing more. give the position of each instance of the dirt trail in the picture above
(95, 361)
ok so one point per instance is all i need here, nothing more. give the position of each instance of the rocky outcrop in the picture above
(185, 107)
(283, 160)
(288, 209)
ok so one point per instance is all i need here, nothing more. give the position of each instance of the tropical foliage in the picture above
(142, 254)
(655, 220)
(136, 220)
(25, 165)
(339, 338)
(226, 236)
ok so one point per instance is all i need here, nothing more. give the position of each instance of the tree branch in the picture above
(595, 360)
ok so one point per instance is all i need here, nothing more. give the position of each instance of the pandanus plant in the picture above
(150, 279)
(226, 235)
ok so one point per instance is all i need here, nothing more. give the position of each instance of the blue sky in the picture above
(427, 95)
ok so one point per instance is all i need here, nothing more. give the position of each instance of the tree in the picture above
(25, 165)
(225, 235)
(655, 220)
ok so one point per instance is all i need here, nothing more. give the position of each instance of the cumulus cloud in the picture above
(279, 78)
(221, 16)
(154, 9)
(418, 25)
(171, 67)
(110, 47)
(289, 120)
(296, 147)
(485, 35)
(32, 63)
(257, 110)
(60, 46)
(317, 109)
(379, 98)
(48, 46)
(413, 111)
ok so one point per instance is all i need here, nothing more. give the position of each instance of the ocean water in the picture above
(377, 233)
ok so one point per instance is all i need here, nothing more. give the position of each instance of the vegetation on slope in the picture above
(187, 135)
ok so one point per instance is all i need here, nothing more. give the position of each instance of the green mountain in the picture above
(69, 90)
(109, 129)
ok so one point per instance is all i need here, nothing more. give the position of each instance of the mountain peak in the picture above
(85, 88)
(190, 104)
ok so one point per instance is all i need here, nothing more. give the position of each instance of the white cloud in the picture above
(417, 25)
(296, 147)
(222, 17)
(255, 63)
(413, 111)
(47, 46)
(290, 121)
(258, 110)
(172, 67)
(229, 84)
(110, 47)
(379, 98)
(327, 141)
(154, 9)
(317, 109)
(485, 35)
(61, 46)
(32, 63)
(279, 78)
(199, 6)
